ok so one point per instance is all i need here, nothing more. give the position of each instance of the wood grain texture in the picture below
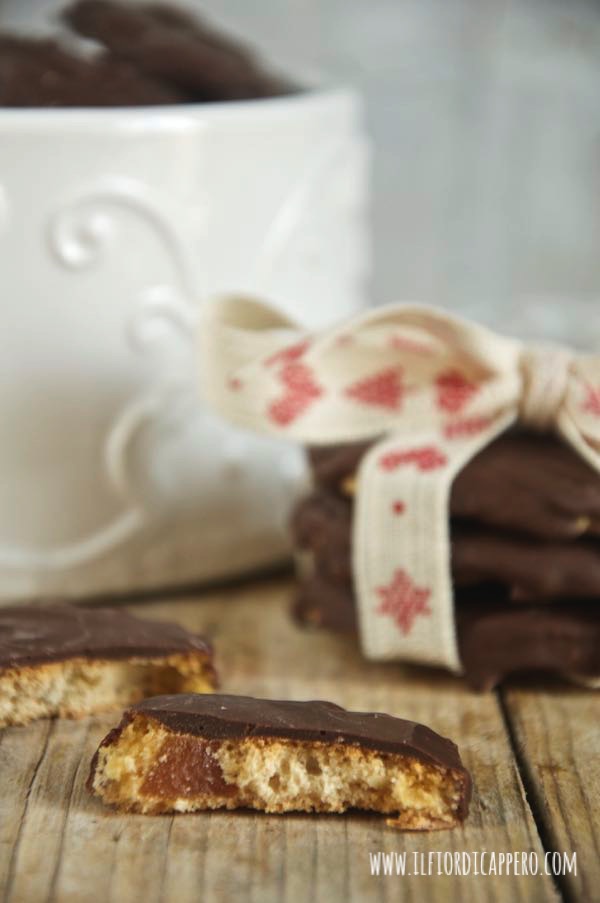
(59, 844)
(557, 734)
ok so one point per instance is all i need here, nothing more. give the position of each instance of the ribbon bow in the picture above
(434, 389)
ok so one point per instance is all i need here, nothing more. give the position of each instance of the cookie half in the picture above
(63, 660)
(188, 752)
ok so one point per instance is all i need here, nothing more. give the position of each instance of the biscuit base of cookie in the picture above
(81, 686)
(143, 766)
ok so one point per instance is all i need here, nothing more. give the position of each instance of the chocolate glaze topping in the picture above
(36, 634)
(221, 717)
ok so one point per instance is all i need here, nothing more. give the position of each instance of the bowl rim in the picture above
(182, 116)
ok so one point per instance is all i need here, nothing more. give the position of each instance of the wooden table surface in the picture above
(533, 752)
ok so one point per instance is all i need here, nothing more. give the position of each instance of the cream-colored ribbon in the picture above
(434, 390)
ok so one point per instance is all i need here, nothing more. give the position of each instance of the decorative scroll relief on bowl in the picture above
(78, 235)
(165, 459)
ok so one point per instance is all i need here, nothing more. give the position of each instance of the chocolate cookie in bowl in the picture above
(183, 51)
(137, 55)
(41, 73)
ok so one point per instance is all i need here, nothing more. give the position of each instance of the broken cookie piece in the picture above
(189, 752)
(61, 660)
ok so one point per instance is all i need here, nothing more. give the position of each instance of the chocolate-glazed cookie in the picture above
(40, 73)
(521, 483)
(185, 753)
(525, 567)
(528, 568)
(70, 661)
(525, 556)
(531, 484)
(496, 640)
(319, 602)
(321, 526)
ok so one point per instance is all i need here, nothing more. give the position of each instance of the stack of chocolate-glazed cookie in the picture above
(525, 544)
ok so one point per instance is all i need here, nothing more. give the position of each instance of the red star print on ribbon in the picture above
(426, 458)
(403, 601)
(470, 426)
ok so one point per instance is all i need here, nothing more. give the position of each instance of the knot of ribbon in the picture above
(432, 390)
(545, 371)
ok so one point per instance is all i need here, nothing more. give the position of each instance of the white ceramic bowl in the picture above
(115, 225)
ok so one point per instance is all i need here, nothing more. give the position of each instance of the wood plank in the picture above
(38, 853)
(557, 733)
(104, 855)
(73, 849)
(21, 753)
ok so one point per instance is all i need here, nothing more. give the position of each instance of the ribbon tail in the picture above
(402, 548)
(237, 333)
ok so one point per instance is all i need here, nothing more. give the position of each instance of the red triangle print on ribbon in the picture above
(453, 391)
(301, 390)
(382, 390)
(289, 354)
